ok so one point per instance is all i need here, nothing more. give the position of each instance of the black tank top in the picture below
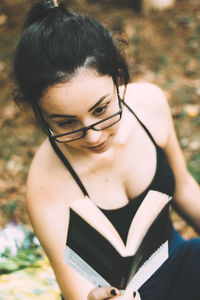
(163, 181)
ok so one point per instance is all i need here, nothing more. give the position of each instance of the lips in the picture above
(99, 147)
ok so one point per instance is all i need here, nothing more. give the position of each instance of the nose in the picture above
(92, 137)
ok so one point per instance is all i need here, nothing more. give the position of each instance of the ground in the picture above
(161, 47)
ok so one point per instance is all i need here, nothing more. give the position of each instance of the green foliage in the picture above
(137, 37)
(197, 122)
(25, 258)
(118, 24)
(9, 207)
(185, 94)
(193, 166)
(187, 19)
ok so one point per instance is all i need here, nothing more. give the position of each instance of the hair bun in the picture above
(41, 9)
(51, 3)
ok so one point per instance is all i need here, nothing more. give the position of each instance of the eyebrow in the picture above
(98, 102)
(70, 116)
(61, 116)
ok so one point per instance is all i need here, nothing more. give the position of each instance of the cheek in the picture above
(114, 129)
(75, 144)
(110, 133)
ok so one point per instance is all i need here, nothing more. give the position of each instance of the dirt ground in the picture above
(162, 48)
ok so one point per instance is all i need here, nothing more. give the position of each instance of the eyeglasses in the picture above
(80, 133)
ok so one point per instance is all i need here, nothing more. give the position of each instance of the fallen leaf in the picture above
(3, 19)
(192, 110)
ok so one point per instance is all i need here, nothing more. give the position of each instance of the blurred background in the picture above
(163, 47)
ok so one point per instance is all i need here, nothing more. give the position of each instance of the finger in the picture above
(136, 295)
(101, 293)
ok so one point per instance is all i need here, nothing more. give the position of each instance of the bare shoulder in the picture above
(149, 103)
(145, 90)
(44, 192)
(48, 178)
(49, 185)
(147, 98)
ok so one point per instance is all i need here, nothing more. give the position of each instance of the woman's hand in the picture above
(102, 293)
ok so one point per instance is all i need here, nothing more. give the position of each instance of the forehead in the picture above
(77, 95)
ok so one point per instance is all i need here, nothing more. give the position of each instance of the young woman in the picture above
(108, 139)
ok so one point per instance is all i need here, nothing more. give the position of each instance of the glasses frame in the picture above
(84, 130)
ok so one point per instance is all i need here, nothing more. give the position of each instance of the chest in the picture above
(116, 181)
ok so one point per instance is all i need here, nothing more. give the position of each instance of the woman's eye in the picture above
(67, 123)
(102, 109)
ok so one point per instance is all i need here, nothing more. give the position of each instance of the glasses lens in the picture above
(107, 123)
(69, 137)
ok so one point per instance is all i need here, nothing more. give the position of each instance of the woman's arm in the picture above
(152, 108)
(50, 224)
(47, 207)
(187, 192)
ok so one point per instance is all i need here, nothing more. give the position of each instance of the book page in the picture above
(87, 210)
(147, 212)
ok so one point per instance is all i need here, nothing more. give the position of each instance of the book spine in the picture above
(123, 265)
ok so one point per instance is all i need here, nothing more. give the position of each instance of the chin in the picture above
(102, 147)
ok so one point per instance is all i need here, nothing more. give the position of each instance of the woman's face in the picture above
(84, 100)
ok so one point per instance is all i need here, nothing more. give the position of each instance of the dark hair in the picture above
(55, 43)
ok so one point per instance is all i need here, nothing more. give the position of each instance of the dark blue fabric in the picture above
(179, 277)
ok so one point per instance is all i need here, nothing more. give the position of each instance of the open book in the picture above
(95, 249)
